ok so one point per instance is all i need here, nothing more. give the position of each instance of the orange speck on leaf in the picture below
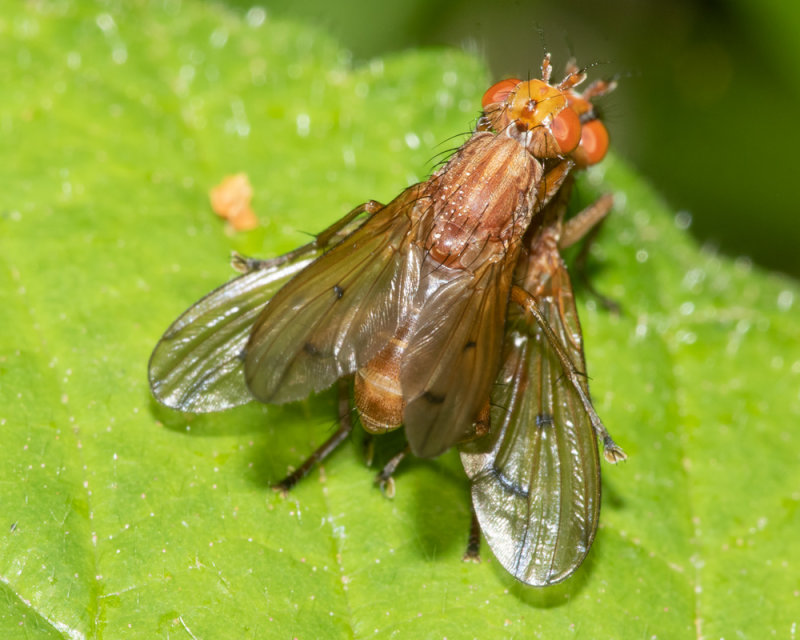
(230, 200)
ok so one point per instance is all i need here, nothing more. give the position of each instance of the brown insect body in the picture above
(473, 214)
(413, 300)
(430, 273)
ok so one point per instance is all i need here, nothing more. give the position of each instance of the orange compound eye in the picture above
(499, 91)
(566, 129)
(594, 143)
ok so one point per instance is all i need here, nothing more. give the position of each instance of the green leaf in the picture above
(124, 518)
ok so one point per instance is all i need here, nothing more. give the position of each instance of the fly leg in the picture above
(473, 552)
(369, 448)
(611, 451)
(385, 479)
(586, 226)
(577, 227)
(335, 232)
(345, 427)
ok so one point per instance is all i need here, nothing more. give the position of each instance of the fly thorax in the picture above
(479, 199)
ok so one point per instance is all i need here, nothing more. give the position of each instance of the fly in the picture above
(439, 304)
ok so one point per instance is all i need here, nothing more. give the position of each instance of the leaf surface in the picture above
(125, 519)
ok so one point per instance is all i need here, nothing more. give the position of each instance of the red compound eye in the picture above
(499, 91)
(566, 129)
(594, 143)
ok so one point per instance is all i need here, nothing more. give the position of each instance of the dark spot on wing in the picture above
(544, 420)
(311, 350)
(338, 291)
(433, 398)
(507, 485)
(470, 345)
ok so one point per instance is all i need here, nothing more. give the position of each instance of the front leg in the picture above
(586, 223)
(586, 226)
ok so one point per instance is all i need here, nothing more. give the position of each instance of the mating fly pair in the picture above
(453, 310)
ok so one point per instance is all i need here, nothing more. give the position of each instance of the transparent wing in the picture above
(536, 475)
(452, 358)
(335, 315)
(197, 364)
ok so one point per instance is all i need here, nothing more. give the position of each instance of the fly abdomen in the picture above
(377, 389)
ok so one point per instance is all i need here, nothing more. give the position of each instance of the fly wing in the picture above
(334, 316)
(452, 358)
(536, 475)
(197, 364)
